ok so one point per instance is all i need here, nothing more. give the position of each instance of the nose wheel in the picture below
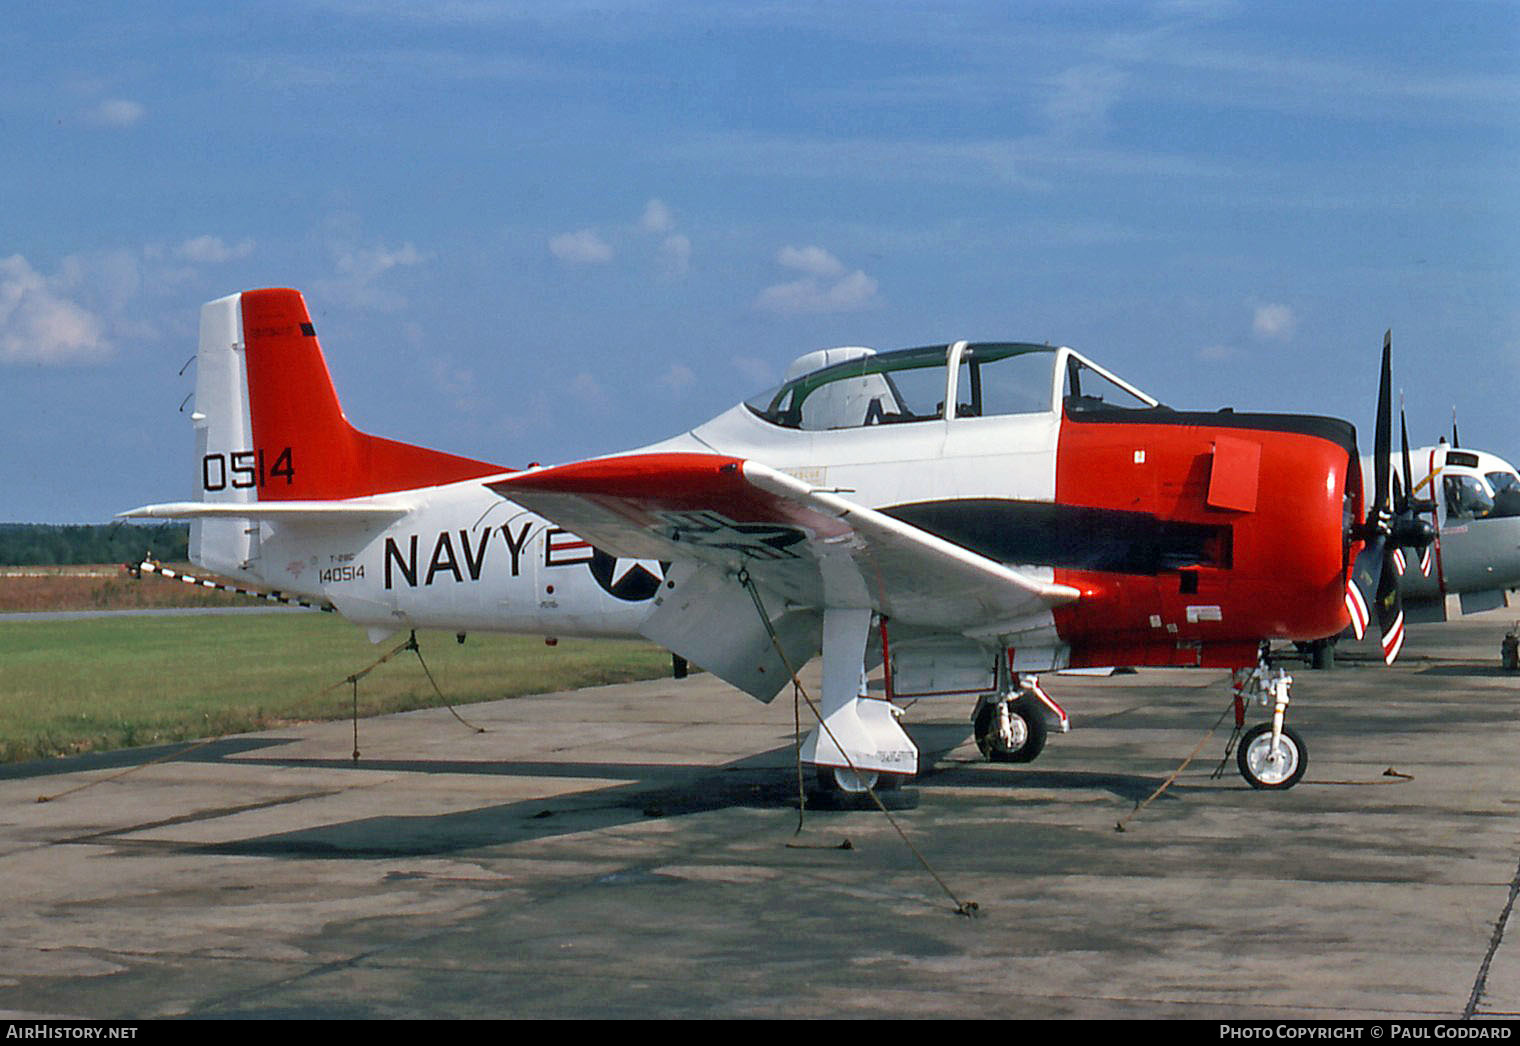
(1264, 767)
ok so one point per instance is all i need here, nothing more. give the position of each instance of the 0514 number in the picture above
(244, 470)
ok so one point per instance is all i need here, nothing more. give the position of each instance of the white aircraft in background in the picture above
(1476, 512)
(964, 514)
(1472, 500)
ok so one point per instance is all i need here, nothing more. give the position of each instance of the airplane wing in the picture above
(808, 545)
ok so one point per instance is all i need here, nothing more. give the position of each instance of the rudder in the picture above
(304, 448)
(269, 427)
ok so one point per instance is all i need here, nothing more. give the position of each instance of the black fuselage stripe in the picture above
(1045, 534)
(1341, 433)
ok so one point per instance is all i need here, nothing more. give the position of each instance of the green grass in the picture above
(78, 686)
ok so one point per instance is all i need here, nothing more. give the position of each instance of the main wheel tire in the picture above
(843, 780)
(994, 748)
(1254, 757)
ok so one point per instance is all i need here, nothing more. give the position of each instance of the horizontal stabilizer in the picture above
(309, 512)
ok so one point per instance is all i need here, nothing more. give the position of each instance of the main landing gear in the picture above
(1011, 726)
(1318, 654)
(859, 746)
(1270, 755)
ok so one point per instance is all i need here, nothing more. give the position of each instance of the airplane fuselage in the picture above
(463, 560)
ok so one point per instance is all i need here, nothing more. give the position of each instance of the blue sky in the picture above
(541, 231)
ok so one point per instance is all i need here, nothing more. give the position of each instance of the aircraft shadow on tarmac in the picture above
(126, 758)
(764, 781)
(1483, 671)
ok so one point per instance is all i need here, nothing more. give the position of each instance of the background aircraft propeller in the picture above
(1407, 506)
(1390, 526)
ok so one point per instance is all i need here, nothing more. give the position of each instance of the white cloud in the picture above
(1082, 97)
(581, 248)
(657, 217)
(116, 112)
(109, 280)
(826, 287)
(38, 325)
(455, 382)
(675, 254)
(671, 250)
(1217, 353)
(677, 379)
(360, 269)
(588, 390)
(855, 291)
(211, 249)
(815, 261)
(365, 263)
(1274, 321)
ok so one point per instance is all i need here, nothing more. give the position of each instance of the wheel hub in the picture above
(855, 782)
(1272, 767)
(1012, 732)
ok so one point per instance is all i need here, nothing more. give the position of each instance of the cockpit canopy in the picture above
(1473, 495)
(913, 385)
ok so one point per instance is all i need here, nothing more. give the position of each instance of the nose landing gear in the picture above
(1270, 755)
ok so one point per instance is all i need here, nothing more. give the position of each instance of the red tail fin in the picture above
(305, 447)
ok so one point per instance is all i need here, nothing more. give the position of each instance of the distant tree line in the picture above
(48, 545)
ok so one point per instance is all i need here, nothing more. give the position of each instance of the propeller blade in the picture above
(1373, 589)
(1412, 531)
(1362, 585)
(1378, 511)
(1454, 441)
(1390, 611)
(1408, 491)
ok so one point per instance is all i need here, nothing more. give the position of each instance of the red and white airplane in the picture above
(966, 514)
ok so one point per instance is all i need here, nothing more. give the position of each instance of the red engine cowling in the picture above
(1236, 525)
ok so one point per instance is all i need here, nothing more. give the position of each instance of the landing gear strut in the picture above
(859, 745)
(1270, 755)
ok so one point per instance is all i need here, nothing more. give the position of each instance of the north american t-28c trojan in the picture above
(965, 514)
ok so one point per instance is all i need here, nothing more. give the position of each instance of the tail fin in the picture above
(285, 436)
(269, 426)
